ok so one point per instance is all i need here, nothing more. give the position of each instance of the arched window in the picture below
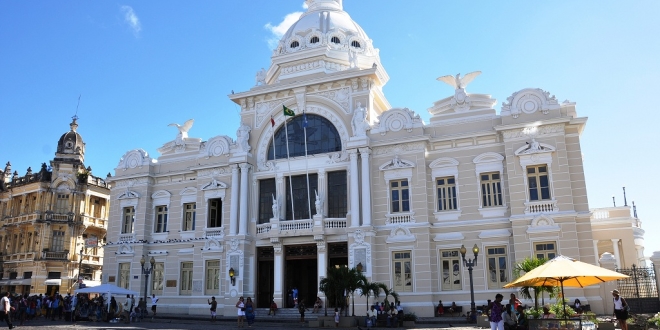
(314, 40)
(335, 40)
(355, 44)
(295, 44)
(322, 137)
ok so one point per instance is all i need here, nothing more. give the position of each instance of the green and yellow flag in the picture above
(288, 112)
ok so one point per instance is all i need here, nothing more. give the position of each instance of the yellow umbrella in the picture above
(564, 271)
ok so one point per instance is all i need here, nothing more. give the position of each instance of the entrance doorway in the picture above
(265, 276)
(300, 272)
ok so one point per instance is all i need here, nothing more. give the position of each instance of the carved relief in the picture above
(400, 234)
(399, 148)
(397, 119)
(216, 146)
(396, 163)
(341, 96)
(134, 158)
(533, 131)
(528, 101)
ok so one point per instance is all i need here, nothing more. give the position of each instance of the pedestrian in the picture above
(336, 317)
(214, 306)
(154, 301)
(249, 312)
(240, 307)
(5, 312)
(514, 302)
(496, 310)
(301, 309)
(127, 308)
(620, 309)
(273, 308)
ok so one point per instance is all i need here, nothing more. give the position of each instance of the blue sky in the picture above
(141, 65)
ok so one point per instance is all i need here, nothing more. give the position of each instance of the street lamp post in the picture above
(469, 263)
(146, 272)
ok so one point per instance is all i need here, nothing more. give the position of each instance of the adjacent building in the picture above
(52, 222)
(324, 172)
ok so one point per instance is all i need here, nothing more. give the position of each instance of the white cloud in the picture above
(131, 19)
(277, 31)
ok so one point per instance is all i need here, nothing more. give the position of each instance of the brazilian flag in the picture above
(288, 112)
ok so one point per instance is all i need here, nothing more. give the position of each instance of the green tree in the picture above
(529, 292)
(368, 288)
(388, 292)
(339, 281)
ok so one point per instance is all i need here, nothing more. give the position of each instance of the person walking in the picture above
(336, 317)
(127, 308)
(240, 306)
(301, 309)
(214, 306)
(154, 301)
(5, 312)
(620, 309)
(249, 312)
(496, 310)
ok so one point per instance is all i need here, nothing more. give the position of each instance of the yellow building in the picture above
(47, 216)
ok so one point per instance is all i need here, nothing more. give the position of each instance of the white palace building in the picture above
(376, 186)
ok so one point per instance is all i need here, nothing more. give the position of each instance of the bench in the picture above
(457, 309)
(381, 321)
(585, 308)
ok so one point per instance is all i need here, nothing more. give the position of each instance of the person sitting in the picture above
(523, 322)
(318, 304)
(453, 308)
(382, 309)
(509, 318)
(577, 306)
(392, 320)
(441, 309)
(372, 315)
(135, 314)
(548, 315)
(399, 309)
(273, 308)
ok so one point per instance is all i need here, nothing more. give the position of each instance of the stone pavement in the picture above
(191, 324)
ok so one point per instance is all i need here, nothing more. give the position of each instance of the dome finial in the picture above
(74, 123)
(313, 5)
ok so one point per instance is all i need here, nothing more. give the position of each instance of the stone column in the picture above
(278, 275)
(323, 191)
(280, 191)
(233, 210)
(355, 189)
(242, 226)
(617, 256)
(607, 261)
(366, 187)
(321, 264)
(596, 250)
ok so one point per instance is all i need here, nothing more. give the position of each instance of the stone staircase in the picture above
(288, 314)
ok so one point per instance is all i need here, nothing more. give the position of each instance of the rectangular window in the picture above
(54, 275)
(57, 242)
(337, 194)
(27, 275)
(402, 271)
(161, 219)
(450, 262)
(498, 274)
(538, 182)
(547, 250)
(186, 278)
(446, 188)
(212, 277)
(189, 216)
(127, 220)
(157, 279)
(13, 275)
(62, 204)
(215, 213)
(303, 196)
(491, 189)
(124, 275)
(267, 192)
(399, 196)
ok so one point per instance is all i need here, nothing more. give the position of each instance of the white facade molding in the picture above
(529, 101)
(395, 120)
(400, 234)
(136, 158)
(543, 224)
(454, 236)
(495, 233)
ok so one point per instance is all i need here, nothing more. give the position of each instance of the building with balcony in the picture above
(46, 217)
(323, 172)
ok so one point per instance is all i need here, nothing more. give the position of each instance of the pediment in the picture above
(542, 224)
(400, 234)
(529, 100)
(188, 191)
(396, 163)
(216, 146)
(444, 162)
(128, 194)
(488, 157)
(161, 194)
(397, 119)
(214, 184)
(534, 147)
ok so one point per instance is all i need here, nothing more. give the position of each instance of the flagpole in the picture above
(288, 160)
(309, 205)
(272, 121)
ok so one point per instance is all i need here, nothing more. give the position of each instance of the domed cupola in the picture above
(71, 144)
(324, 40)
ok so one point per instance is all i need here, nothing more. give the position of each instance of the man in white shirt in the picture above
(372, 315)
(5, 312)
(127, 308)
(154, 301)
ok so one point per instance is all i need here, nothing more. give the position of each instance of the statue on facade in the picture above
(359, 124)
(317, 203)
(352, 58)
(183, 131)
(457, 82)
(276, 212)
(242, 137)
(261, 77)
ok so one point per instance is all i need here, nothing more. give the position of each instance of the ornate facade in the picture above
(47, 216)
(324, 172)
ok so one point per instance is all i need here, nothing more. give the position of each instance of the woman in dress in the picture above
(249, 312)
(620, 309)
(240, 306)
